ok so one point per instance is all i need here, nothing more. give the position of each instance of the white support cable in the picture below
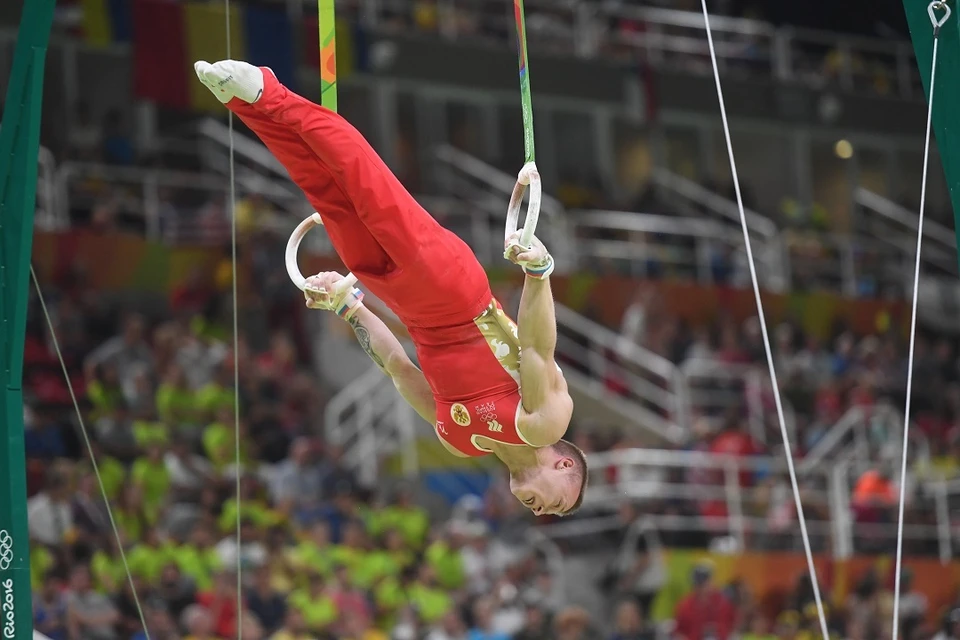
(93, 459)
(763, 328)
(932, 8)
(236, 341)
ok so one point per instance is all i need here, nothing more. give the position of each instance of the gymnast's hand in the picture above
(325, 291)
(535, 259)
(321, 290)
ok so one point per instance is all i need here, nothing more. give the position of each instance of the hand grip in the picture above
(528, 176)
(293, 247)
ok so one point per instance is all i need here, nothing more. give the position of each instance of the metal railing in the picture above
(692, 199)
(49, 215)
(644, 245)
(256, 169)
(554, 25)
(369, 420)
(896, 226)
(747, 500)
(619, 370)
(670, 38)
(488, 189)
(479, 224)
(552, 555)
(143, 194)
(862, 435)
(854, 265)
(638, 244)
(716, 387)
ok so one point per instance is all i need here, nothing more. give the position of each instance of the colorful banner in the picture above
(206, 39)
(603, 299)
(169, 36)
(117, 262)
(106, 21)
(771, 578)
(816, 312)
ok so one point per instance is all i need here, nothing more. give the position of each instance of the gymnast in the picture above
(487, 385)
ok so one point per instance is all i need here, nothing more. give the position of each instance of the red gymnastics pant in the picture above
(427, 275)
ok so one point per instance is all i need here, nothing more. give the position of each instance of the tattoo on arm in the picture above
(363, 337)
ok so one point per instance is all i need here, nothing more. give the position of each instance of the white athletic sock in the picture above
(231, 78)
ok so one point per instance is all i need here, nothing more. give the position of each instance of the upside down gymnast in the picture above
(475, 387)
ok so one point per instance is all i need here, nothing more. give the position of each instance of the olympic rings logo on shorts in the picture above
(6, 549)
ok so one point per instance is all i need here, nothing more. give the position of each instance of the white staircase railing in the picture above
(682, 245)
(692, 199)
(673, 38)
(256, 170)
(861, 436)
(143, 197)
(715, 387)
(243, 146)
(896, 226)
(50, 215)
(690, 480)
(620, 371)
(478, 223)
(466, 177)
(369, 420)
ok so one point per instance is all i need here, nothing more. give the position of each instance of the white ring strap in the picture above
(293, 248)
(528, 176)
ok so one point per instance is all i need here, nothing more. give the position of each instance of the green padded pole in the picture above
(946, 101)
(19, 147)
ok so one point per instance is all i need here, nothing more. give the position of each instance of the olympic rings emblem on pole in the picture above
(6, 549)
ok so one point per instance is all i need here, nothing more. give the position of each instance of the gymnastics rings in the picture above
(293, 248)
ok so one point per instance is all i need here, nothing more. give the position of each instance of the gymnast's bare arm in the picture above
(380, 345)
(547, 406)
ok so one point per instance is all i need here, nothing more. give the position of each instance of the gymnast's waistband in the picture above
(427, 329)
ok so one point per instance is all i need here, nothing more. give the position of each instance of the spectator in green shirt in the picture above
(253, 507)
(148, 557)
(406, 517)
(197, 557)
(315, 604)
(177, 403)
(432, 601)
(148, 431)
(150, 474)
(315, 553)
(219, 393)
(103, 390)
(219, 440)
(443, 556)
(107, 570)
(130, 513)
(112, 473)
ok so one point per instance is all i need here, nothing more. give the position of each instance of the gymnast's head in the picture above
(555, 486)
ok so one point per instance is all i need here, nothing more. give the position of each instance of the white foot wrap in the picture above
(230, 79)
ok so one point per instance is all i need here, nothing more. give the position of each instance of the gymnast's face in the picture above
(551, 488)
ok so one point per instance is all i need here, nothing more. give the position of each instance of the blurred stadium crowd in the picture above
(323, 556)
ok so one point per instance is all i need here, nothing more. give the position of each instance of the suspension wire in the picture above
(763, 328)
(937, 23)
(236, 341)
(93, 459)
